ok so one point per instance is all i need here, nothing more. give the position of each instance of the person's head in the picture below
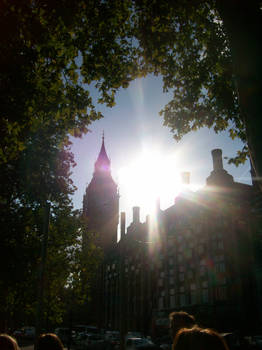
(7, 342)
(198, 339)
(49, 341)
(180, 319)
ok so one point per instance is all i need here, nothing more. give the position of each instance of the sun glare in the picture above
(149, 177)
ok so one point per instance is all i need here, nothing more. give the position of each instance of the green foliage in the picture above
(48, 51)
(186, 43)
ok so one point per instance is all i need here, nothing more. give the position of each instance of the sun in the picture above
(149, 177)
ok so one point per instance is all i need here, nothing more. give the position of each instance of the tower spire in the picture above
(102, 163)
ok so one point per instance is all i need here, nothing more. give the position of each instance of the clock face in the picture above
(103, 167)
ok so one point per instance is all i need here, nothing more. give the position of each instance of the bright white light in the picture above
(149, 177)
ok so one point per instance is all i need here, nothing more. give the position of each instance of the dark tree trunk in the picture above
(243, 23)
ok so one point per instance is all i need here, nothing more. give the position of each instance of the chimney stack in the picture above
(123, 224)
(136, 215)
(217, 159)
(185, 177)
(148, 220)
(158, 205)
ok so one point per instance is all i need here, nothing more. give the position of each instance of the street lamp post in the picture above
(41, 273)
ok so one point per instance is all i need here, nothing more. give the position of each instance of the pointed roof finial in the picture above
(103, 162)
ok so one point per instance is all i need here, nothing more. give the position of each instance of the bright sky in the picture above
(146, 161)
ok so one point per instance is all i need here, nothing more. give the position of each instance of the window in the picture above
(202, 270)
(182, 289)
(161, 303)
(201, 249)
(160, 283)
(190, 274)
(182, 299)
(179, 238)
(188, 233)
(192, 286)
(205, 284)
(222, 280)
(163, 293)
(193, 297)
(171, 261)
(160, 264)
(188, 253)
(220, 267)
(172, 301)
(221, 293)
(170, 252)
(171, 291)
(180, 258)
(171, 280)
(170, 243)
(162, 274)
(181, 277)
(220, 244)
(205, 296)
(181, 268)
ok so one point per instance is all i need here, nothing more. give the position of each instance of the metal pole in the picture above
(41, 274)
(122, 298)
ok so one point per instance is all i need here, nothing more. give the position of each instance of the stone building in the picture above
(199, 255)
(101, 202)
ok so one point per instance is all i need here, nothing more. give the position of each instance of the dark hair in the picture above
(198, 339)
(49, 341)
(7, 342)
(181, 319)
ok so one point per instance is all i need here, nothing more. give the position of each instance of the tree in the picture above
(49, 50)
(209, 54)
(207, 51)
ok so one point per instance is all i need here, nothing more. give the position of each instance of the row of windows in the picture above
(193, 298)
(190, 235)
(192, 286)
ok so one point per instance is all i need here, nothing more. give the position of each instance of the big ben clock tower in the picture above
(101, 202)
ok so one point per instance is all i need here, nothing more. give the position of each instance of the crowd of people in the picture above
(187, 335)
(184, 331)
(47, 341)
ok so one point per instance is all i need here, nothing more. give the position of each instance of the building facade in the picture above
(200, 255)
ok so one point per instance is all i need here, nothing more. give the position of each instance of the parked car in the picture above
(257, 341)
(86, 329)
(25, 332)
(139, 343)
(84, 341)
(112, 340)
(63, 333)
(133, 334)
(18, 333)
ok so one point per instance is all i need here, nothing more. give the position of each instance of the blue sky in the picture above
(133, 130)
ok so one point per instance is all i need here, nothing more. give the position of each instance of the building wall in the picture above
(201, 260)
